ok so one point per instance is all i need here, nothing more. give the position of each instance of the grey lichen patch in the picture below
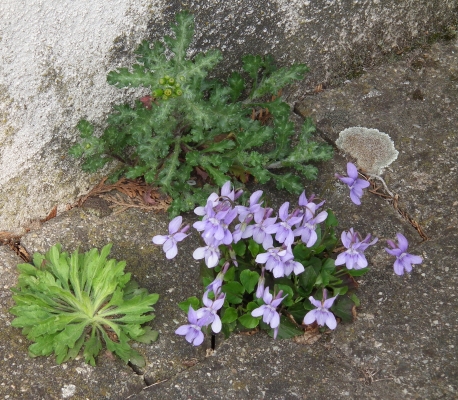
(373, 150)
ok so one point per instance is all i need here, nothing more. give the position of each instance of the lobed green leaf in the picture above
(252, 64)
(184, 31)
(279, 79)
(139, 76)
(236, 85)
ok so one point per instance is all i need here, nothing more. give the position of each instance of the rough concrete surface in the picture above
(55, 55)
(403, 343)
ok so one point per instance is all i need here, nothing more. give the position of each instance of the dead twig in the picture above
(393, 198)
(146, 387)
(369, 374)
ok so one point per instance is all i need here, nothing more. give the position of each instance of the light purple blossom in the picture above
(208, 315)
(303, 201)
(220, 203)
(215, 225)
(218, 281)
(308, 207)
(275, 260)
(354, 257)
(284, 233)
(233, 256)
(243, 230)
(355, 184)
(228, 192)
(253, 208)
(261, 283)
(192, 331)
(212, 202)
(321, 314)
(308, 229)
(293, 266)
(263, 228)
(176, 234)
(404, 260)
(269, 310)
(210, 253)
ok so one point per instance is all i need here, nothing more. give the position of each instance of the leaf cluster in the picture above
(193, 127)
(320, 273)
(68, 303)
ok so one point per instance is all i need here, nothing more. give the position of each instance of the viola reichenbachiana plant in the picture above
(258, 264)
(66, 303)
(275, 271)
(196, 129)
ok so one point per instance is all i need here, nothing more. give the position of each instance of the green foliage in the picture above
(193, 128)
(68, 303)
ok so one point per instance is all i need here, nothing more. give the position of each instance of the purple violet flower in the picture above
(220, 203)
(176, 234)
(284, 233)
(192, 331)
(354, 257)
(242, 231)
(218, 281)
(252, 209)
(404, 260)
(308, 207)
(261, 283)
(233, 256)
(208, 314)
(263, 228)
(293, 266)
(355, 184)
(228, 192)
(269, 310)
(215, 224)
(213, 200)
(308, 229)
(303, 201)
(321, 314)
(210, 253)
(275, 260)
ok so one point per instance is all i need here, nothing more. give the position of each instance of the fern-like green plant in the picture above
(65, 303)
(193, 127)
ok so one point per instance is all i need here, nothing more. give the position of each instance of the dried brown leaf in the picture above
(309, 337)
(52, 214)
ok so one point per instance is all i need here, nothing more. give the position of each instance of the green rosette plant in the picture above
(68, 303)
(194, 129)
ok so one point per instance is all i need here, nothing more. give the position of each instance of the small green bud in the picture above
(178, 92)
(88, 146)
(158, 92)
(168, 92)
(165, 97)
(182, 78)
(166, 77)
(171, 81)
(162, 81)
(177, 85)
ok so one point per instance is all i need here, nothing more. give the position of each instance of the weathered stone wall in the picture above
(54, 57)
